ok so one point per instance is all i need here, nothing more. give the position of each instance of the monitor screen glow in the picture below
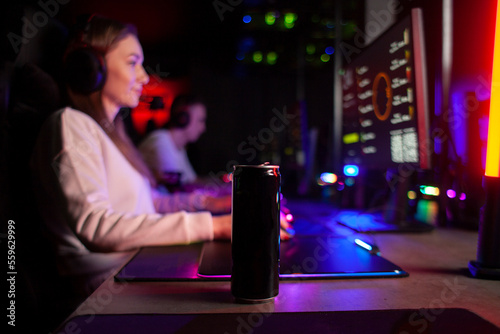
(385, 104)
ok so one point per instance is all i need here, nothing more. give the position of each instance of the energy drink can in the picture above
(255, 240)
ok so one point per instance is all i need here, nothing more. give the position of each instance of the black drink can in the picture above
(255, 240)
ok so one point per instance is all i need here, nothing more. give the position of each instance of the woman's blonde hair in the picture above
(101, 34)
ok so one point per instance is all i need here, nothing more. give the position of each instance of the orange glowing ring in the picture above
(388, 93)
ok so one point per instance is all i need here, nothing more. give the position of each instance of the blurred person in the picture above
(164, 149)
(96, 194)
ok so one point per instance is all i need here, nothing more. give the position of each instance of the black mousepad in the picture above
(302, 257)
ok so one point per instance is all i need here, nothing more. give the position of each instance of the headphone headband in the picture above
(84, 66)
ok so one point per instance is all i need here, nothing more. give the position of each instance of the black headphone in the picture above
(84, 67)
(179, 119)
(179, 110)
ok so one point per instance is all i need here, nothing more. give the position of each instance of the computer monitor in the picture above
(385, 108)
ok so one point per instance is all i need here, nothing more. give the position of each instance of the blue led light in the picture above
(363, 244)
(329, 50)
(240, 56)
(247, 19)
(351, 170)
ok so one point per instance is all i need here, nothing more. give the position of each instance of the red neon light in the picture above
(493, 146)
(168, 89)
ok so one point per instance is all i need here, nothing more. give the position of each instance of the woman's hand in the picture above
(286, 228)
(218, 204)
(222, 227)
(223, 224)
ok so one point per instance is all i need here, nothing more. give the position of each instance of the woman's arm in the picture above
(106, 203)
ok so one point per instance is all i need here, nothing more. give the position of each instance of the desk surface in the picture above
(436, 261)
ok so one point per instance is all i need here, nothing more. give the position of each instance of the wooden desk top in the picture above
(439, 278)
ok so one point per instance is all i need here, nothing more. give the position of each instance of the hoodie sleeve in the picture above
(108, 208)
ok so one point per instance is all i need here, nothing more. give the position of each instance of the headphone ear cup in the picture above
(182, 119)
(179, 120)
(85, 70)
